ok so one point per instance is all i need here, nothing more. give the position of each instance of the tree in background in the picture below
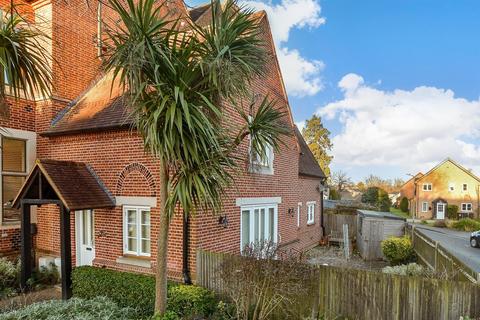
(334, 195)
(404, 204)
(318, 140)
(340, 180)
(378, 198)
(390, 186)
(176, 82)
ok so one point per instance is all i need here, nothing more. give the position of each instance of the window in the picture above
(299, 212)
(261, 164)
(258, 224)
(466, 207)
(424, 206)
(427, 187)
(13, 174)
(451, 187)
(464, 187)
(136, 233)
(311, 212)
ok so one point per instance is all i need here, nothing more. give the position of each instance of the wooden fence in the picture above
(432, 254)
(334, 224)
(360, 294)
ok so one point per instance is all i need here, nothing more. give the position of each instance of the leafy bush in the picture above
(466, 224)
(191, 301)
(452, 212)
(440, 224)
(9, 275)
(398, 250)
(138, 291)
(334, 194)
(411, 269)
(73, 309)
(404, 204)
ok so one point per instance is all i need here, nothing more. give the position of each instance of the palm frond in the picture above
(24, 60)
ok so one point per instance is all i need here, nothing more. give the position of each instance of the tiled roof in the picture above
(100, 107)
(307, 164)
(74, 183)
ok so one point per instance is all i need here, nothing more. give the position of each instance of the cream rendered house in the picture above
(446, 184)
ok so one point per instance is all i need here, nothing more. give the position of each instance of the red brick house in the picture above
(95, 165)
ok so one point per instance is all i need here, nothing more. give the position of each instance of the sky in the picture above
(397, 83)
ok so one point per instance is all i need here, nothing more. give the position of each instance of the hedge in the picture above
(398, 250)
(138, 291)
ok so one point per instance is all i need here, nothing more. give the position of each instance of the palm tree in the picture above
(24, 61)
(178, 81)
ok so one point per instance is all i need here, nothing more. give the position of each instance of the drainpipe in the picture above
(321, 188)
(186, 271)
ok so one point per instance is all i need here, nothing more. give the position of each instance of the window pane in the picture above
(245, 228)
(146, 232)
(13, 155)
(132, 244)
(10, 187)
(262, 225)
(255, 220)
(132, 230)
(145, 217)
(132, 216)
(146, 246)
(271, 223)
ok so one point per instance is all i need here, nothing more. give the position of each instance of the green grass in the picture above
(399, 212)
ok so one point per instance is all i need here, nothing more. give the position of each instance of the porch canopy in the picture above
(69, 185)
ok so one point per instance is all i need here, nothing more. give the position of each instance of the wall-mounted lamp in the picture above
(223, 221)
(291, 212)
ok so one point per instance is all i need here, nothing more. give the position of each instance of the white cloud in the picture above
(301, 75)
(412, 130)
(300, 125)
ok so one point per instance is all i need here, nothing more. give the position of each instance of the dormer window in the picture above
(427, 187)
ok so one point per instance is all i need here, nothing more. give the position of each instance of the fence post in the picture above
(436, 256)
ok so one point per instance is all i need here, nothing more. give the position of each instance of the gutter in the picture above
(186, 271)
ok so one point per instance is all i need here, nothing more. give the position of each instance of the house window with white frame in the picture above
(424, 206)
(451, 187)
(258, 224)
(466, 207)
(464, 187)
(427, 187)
(136, 232)
(311, 212)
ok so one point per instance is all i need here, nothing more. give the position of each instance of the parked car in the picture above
(475, 239)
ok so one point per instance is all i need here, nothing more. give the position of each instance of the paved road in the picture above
(456, 242)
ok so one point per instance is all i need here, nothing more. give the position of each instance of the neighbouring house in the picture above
(448, 183)
(394, 197)
(351, 194)
(77, 171)
(372, 228)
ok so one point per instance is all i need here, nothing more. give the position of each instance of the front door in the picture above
(441, 210)
(85, 237)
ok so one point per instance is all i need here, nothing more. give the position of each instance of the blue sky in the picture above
(396, 82)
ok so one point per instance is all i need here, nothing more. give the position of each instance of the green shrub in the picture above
(440, 224)
(73, 309)
(123, 288)
(466, 224)
(138, 291)
(411, 269)
(9, 277)
(334, 194)
(378, 198)
(452, 212)
(398, 250)
(191, 301)
(404, 204)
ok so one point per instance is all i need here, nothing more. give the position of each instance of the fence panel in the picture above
(360, 294)
(334, 224)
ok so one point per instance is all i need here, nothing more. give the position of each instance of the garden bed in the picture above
(334, 256)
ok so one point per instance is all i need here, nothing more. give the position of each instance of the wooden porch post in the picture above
(66, 250)
(26, 242)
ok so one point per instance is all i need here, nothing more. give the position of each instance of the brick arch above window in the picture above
(139, 169)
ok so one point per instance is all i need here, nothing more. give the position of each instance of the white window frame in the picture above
(251, 226)
(424, 206)
(465, 187)
(263, 166)
(30, 138)
(427, 187)
(451, 187)
(467, 204)
(299, 212)
(311, 212)
(138, 209)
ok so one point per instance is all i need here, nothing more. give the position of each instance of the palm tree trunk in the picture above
(162, 245)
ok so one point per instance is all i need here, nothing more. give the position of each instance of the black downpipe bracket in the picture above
(186, 270)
